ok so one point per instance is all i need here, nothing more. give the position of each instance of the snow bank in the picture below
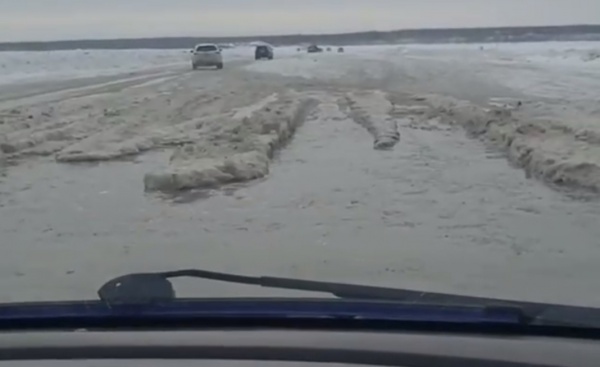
(239, 150)
(550, 151)
(372, 110)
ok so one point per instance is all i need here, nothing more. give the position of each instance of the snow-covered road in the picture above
(440, 211)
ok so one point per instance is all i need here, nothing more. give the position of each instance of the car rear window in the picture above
(206, 48)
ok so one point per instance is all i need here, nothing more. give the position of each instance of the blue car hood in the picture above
(262, 308)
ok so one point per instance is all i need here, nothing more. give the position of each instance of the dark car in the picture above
(314, 48)
(263, 52)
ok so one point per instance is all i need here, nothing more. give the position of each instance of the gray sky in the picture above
(75, 19)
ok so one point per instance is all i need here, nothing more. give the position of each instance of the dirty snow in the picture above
(293, 167)
(233, 148)
(537, 101)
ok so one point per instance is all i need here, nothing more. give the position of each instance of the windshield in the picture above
(434, 146)
(206, 48)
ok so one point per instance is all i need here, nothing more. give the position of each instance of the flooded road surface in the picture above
(438, 211)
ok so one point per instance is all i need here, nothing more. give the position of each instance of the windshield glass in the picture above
(436, 146)
(206, 48)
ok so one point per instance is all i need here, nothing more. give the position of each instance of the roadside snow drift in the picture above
(234, 148)
(552, 151)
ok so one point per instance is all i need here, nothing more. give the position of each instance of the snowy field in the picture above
(527, 67)
(38, 66)
(124, 161)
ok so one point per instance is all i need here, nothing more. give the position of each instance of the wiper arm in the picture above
(156, 287)
(149, 287)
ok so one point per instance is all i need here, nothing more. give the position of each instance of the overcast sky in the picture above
(75, 19)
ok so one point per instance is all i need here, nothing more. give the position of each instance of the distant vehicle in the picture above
(314, 48)
(328, 49)
(207, 54)
(263, 52)
(340, 49)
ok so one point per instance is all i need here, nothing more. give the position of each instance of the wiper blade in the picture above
(156, 287)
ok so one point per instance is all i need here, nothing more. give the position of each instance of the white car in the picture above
(207, 54)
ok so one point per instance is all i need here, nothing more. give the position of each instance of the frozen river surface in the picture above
(439, 211)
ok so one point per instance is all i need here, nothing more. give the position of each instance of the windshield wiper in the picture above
(156, 287)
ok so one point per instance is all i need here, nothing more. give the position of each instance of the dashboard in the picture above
(270, 348)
